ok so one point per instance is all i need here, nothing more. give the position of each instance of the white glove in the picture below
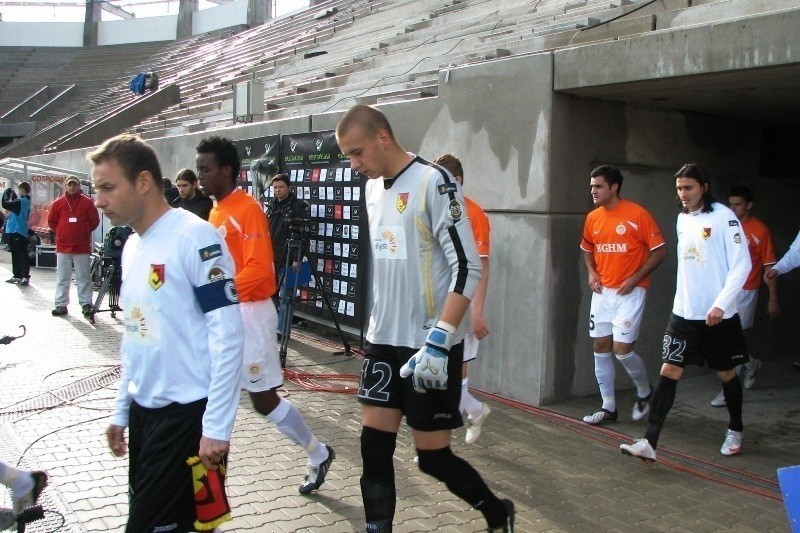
(429, 365)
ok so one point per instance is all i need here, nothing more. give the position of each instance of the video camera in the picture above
(265, 165)
(115, 240)
(299, 227)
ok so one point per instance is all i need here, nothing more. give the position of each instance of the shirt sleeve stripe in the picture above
(463, 269)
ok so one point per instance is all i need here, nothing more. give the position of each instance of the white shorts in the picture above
(747, 303)
(620, 316)
(262, 364)
(471, 343)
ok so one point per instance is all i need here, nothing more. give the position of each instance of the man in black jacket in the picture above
(280, 211)
(284, 207)
(191, 197)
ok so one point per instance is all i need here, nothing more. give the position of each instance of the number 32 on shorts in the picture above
(672, 349)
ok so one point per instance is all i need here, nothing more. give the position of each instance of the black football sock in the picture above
(660, 404)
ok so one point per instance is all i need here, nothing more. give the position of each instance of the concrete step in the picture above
(563, 26)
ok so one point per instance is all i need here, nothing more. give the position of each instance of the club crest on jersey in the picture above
(455, 210)
(706, 233)
(621, 229)
(402, 201)
(737, 238)
(157, 276)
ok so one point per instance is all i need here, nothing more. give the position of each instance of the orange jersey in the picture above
(480, 226)
(620, 240)
(243, 225)
(759, 243)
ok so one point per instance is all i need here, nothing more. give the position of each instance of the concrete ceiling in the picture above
(746, 67)
(769, 95)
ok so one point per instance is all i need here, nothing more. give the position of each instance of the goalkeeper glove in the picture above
(429, 365)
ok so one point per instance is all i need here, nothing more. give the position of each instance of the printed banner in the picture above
(320, 174)
(260, 160)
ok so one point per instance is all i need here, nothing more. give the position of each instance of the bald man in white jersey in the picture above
(425, 270)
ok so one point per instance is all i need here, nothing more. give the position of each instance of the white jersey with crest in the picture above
(713, 263)
(422, 248)
(183, 336)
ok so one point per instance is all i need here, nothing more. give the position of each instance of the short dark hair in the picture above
(186, 174)
(25, 186)
(742, 192)
(611, 174)
(370, 119)
(132, 154)
(451, 163)
(280, 177)
(224, 152)
(698, 172)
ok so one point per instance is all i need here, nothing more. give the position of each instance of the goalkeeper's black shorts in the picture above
(382, 386)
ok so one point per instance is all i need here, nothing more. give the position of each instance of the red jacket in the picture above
(73, 219)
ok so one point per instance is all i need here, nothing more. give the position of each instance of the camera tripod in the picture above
(108, 261)
(296, 247)
(111, 280)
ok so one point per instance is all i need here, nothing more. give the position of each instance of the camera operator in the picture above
(281, 211)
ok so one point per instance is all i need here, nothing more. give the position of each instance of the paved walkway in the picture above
(57, 384)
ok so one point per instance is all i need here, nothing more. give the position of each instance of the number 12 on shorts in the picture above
(375, 379)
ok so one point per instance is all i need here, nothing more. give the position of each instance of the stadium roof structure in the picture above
(20, 169)
(124, 9)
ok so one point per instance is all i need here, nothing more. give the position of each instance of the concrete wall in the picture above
(41, 34)
(70, 34)
(772, 40)
(175, 153)
(150, 29)
(141, 30)
(527, 154)
(223, 16)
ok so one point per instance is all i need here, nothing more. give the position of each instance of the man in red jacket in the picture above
(73, 218)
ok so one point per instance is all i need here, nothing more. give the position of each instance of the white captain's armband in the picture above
(216, 294)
